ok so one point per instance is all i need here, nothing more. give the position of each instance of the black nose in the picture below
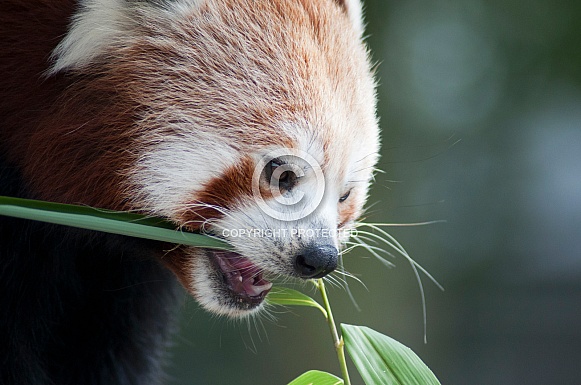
(316, 261)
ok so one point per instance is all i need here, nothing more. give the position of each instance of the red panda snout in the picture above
(284, 215)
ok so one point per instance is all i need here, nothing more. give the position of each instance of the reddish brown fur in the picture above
(227, 191)
(65, 131)
(224, 191)
(179, 263)
(347, 212)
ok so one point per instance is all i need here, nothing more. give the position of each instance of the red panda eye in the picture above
(344, 197)
(285, 181)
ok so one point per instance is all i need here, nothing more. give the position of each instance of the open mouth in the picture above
(243, 279)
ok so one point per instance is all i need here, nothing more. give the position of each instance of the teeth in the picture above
(266, 286)
(257, 290)
(243, 277)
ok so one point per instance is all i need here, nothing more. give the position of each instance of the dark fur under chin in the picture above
(82, 309)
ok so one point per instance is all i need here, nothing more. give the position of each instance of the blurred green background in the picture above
(480, 105)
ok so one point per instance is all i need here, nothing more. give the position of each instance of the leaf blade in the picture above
(116, 222)
(381, 360)
(316, 377)
(289, 297)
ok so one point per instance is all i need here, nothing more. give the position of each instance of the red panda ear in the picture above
(354, 10)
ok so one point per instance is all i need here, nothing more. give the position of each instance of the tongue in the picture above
(243, 277)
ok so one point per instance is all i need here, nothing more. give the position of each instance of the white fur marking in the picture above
(355, 12)
(94, 27)
(174, 170)
(183, 7)
(99, 24)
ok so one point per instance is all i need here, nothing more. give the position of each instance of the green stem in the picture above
(337, 341)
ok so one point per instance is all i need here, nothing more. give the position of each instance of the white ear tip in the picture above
(95, 26)
(354, 10)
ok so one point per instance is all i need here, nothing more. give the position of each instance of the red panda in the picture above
(252, 121)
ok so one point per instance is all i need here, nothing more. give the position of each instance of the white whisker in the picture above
(401, 224)
(390, 241)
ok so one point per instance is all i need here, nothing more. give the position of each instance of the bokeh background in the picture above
(480, 105)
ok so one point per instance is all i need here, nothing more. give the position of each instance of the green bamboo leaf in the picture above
(86, 210)
(381, 360)
(316, 377)
(289, 297)
(116, 222)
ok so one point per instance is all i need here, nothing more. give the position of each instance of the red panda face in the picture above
(250, 121)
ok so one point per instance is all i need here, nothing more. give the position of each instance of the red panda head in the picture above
(253, 121)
